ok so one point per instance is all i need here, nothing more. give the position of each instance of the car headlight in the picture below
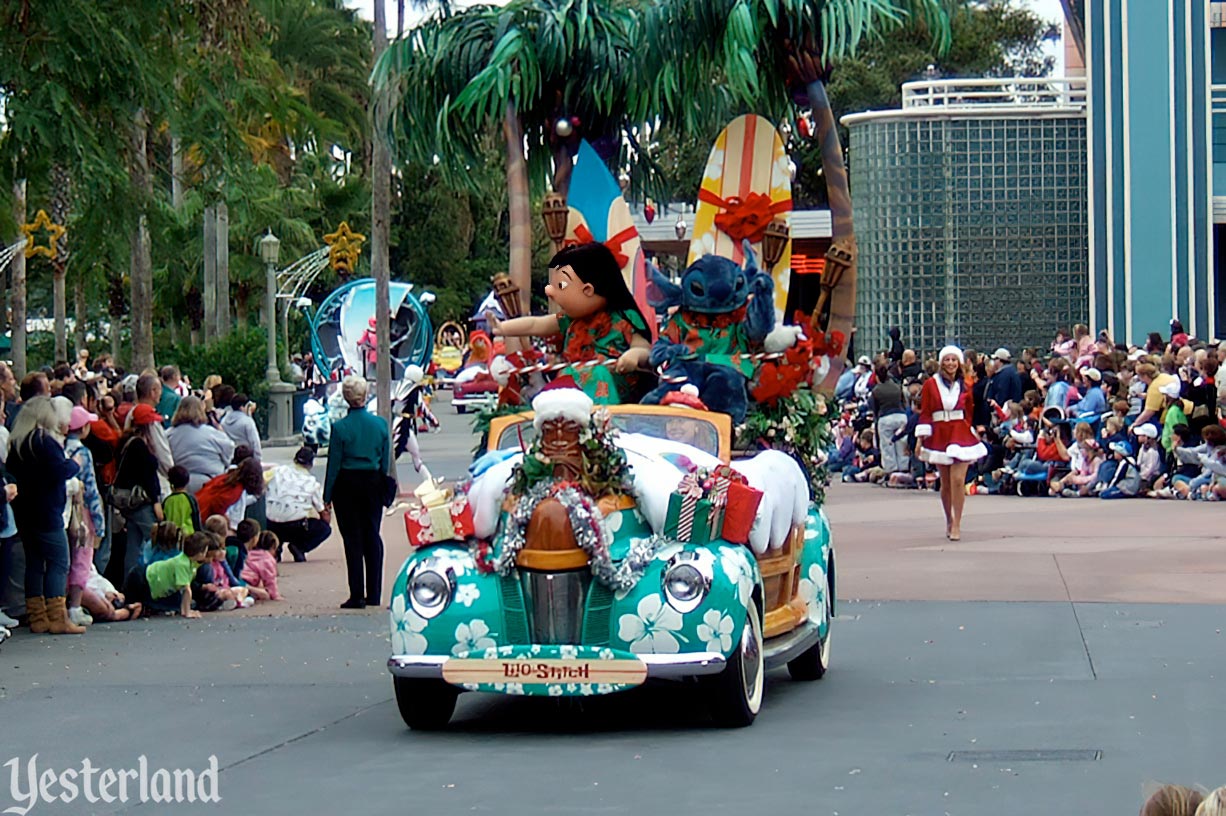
(687, 579)
(431, 589)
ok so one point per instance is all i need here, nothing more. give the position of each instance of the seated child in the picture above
(163, 579)
(215, 587)
(1149, 456)
(238, 546)
(164, 542)
(1125, 478)
(104, 602)
(260, 571)
(1085, 458)
(1114, 430)
(867, 457)
(180, 506)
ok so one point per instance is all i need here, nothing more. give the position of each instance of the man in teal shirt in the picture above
(359, 458)
(169, 403)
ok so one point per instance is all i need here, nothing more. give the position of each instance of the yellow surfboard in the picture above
(747, 179)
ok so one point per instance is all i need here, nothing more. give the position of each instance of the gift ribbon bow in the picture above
(584, 236)
(745, 217)
(689, 487)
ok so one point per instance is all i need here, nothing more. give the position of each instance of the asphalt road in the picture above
(930, 708)
(299, 714)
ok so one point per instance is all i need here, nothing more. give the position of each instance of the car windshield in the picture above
(694, 431)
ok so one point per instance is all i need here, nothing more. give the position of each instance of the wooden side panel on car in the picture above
(780, 576)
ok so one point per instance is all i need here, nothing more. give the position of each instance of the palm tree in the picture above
(61, 204)
(772, 54)
(548, 72)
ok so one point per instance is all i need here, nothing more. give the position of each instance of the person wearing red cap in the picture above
(137, 491)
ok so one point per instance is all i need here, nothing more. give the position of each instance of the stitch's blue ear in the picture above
(751, 260)
(662, 293)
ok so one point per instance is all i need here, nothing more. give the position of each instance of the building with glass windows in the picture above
(971, 213)
(949, 209)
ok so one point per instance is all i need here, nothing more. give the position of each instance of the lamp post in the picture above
(270, 253)
(280, 422)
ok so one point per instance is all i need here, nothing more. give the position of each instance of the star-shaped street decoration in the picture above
(42, 223)
(345, 247)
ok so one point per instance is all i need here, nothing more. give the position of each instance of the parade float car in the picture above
(339, 322)
(474, 389)
(567, 588)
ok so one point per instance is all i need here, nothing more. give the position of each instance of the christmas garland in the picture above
(605, 467)
(799, 425)
(590, 530)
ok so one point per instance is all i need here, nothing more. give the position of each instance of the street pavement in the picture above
(1087, 631)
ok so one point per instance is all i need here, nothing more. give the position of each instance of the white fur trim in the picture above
(954, 454)
(923, 430)
(785, 500)
(951, 349)
(782, 338)
(567, 403)
(500, 370)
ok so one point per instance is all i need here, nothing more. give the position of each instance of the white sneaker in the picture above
(4, 633)
(7, 622)
(228, 604)
(248, 602)
(79, 616)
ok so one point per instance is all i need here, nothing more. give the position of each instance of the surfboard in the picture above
(598, 212)
(748, 159)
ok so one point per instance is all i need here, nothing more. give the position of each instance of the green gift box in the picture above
(699, 528)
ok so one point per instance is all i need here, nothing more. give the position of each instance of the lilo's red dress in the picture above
(944, 430)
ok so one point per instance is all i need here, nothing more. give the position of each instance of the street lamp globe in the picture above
(270, 249)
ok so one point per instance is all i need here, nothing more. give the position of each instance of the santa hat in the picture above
(951, 349)
(562, 399)
(687, 396)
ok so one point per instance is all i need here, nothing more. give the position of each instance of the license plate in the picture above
(492, 673)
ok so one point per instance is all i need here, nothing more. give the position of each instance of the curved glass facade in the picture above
(971, 227)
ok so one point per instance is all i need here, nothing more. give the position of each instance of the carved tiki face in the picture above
(560, 443)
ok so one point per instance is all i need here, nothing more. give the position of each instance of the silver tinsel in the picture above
(591, 534)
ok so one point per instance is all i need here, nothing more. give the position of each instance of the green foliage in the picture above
(241, 359)
(798, 425)
(454, 76)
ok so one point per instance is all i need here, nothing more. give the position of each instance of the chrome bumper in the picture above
(658, 666)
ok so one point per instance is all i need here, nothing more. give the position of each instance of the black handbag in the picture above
(128, 499)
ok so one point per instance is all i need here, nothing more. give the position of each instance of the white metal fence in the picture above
(1007, 92)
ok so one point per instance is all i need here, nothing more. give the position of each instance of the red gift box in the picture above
(462, 517)
(740, 512)
(419, 527)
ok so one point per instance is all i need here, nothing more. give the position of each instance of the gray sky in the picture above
(1047, 9)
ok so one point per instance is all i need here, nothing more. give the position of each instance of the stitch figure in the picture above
(719, 312)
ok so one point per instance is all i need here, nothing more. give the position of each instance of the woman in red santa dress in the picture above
(946, 436)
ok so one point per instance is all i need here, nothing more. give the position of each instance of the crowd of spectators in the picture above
(120, 493)
(1086, 417)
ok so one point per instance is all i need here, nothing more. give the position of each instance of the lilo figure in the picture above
(599, 321)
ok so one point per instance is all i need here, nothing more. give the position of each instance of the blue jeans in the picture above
(139, 530)
(102, 555)
(12, 577)
(46, 563)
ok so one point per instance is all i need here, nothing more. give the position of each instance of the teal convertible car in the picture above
(563, 590)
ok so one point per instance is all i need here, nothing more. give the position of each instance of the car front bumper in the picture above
(658, 665)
